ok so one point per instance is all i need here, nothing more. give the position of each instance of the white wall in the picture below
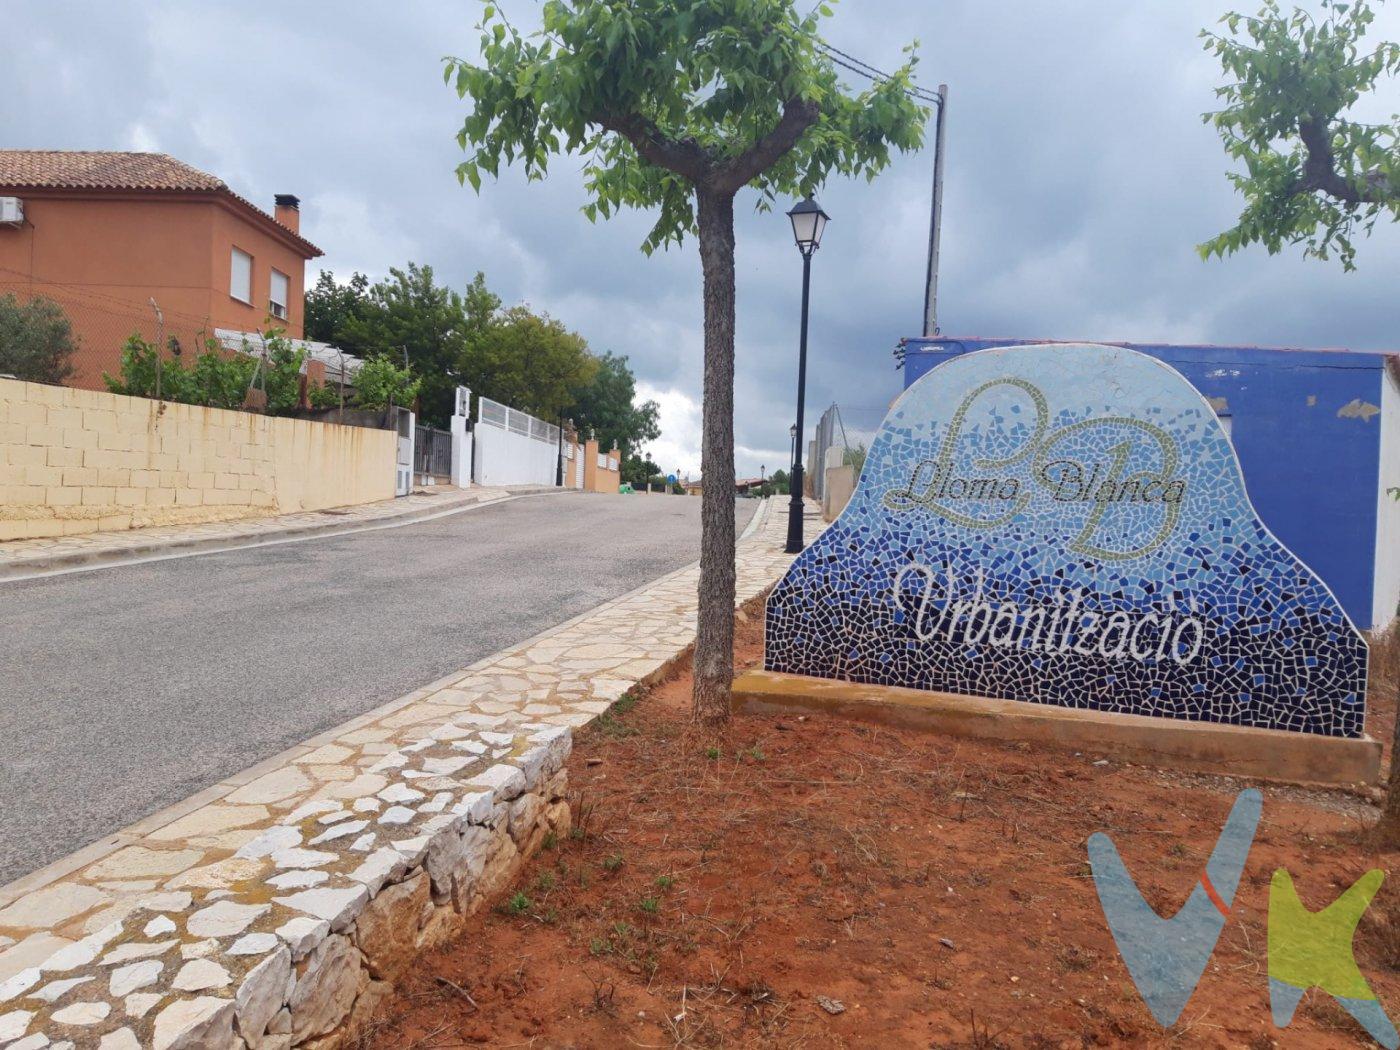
(1386, 592)
(503, 457)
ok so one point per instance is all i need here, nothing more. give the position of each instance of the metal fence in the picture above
(432, 452)
(850, 428)
(516, 421)
(83, 331)
(828, 430)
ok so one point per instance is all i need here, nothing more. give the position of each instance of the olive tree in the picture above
(36, 340)
(675, 106)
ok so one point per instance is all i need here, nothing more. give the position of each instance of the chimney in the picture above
(288, 212)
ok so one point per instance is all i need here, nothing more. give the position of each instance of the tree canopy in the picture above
(661, 96)
(36, 340)
(330, 307)
(607, 405)
(524, 359)
(413, 319)
(1313, 174)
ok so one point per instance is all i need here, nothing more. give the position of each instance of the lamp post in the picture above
(808, 222)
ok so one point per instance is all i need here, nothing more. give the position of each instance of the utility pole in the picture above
(936, 218)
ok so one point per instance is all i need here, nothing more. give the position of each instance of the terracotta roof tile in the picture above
(101, 169)
(51, 169)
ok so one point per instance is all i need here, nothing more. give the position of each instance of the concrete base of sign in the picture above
(1202, 746)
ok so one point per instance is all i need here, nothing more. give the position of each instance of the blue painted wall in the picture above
(1311, 475)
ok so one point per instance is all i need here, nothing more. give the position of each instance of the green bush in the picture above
(380, 383)
(217, 378)
(281, 374)
(322, 396)
(36, 340)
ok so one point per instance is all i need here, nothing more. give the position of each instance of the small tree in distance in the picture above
(36, 340)
(677, 105)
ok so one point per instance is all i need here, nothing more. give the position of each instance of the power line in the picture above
(865, 69)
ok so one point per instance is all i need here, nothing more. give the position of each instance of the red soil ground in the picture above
(933, 891)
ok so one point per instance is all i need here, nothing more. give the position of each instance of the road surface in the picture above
(128, 689)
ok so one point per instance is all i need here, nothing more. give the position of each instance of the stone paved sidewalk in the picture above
(23, 557)
(277, 909)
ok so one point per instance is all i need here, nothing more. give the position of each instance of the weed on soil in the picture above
(815, 883)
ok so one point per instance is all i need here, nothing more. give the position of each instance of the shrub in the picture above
(36, 340)
(218, 378)
(380, 383)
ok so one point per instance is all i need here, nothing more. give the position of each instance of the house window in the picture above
(277, 298)
(240, 281)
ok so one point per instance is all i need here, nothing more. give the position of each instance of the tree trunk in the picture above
(1385, 650)
(714, 640)
(1387, 829)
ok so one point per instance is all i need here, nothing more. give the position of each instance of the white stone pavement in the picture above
(277, 909)
(25, 556)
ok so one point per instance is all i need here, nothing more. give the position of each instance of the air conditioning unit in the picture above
(277, 310)
(11, 211)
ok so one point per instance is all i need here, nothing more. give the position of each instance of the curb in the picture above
(284, 981)
(31, 568)
(61, 867)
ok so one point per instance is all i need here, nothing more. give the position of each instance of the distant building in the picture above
(1317, 433)
(105, 233)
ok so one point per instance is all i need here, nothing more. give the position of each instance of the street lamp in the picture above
(808, 222)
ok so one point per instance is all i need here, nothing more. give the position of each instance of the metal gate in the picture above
(432, 453)
(403, 467)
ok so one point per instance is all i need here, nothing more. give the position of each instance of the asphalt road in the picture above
(128, 689)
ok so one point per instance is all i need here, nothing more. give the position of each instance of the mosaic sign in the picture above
(1067, 524)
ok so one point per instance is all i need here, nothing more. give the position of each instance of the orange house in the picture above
(141, 242)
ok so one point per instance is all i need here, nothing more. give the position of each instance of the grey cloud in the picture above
(1080, 178)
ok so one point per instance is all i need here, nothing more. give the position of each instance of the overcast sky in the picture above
(1080, 177)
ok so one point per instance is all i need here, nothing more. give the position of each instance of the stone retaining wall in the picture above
(293, 938)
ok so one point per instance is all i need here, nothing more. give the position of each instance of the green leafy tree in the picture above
(676, 106)
(608, 405)
(1312, 175)
(331, 306)
(778, 480)
(531, 362)
(36, 340)
(636, 470)
(411, 315)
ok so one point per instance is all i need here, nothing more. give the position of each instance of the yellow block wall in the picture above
(596, 478)
(75, 461)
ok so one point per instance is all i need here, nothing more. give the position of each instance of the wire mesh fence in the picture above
(70, 334)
